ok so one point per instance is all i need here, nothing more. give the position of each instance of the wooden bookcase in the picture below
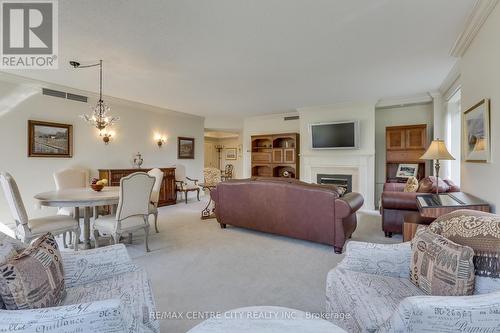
(405, 145)
(274, 155)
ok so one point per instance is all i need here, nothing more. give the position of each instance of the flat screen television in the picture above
(335, 135)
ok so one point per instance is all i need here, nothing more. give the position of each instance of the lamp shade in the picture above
(437, 151)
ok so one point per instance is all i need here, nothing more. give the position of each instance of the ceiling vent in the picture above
(62, 94)
(291, 118)
(53, 93)
(78, 98)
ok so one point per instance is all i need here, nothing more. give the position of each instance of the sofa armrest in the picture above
(394, 187)
(98, 317)
(348, 204)
(400, 200)
(479, 313)
(82, 267)
(381, 259)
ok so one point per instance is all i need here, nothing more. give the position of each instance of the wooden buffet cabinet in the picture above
(276, 155)
(405, 145)
(168, 195)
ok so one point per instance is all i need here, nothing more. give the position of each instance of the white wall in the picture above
(480, 77)
(396, 116)
(269, 124)
(21, 100)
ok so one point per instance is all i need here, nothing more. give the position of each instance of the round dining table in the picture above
(77, 198)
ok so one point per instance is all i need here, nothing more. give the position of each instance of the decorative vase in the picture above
(138, 160)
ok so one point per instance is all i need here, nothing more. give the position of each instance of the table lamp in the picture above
(437, 151)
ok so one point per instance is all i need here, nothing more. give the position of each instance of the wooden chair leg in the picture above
(116, 238)
(75, 242)
(96, 238)
(146, 238)
(156, 222)
(186, 196)
(198, 194)
(64, 240)
(130, 238)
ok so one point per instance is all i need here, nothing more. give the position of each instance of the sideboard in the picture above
(168, 195)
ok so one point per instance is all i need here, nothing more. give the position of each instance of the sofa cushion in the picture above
(480, 231)
(429, 184)
(133, 289)
(440, 267)
(360, 302)
(411, 185)
(33, 278)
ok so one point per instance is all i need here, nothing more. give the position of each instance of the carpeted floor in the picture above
(195, 266)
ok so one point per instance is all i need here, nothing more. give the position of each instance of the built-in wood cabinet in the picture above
(167, 192)
(275, 155)
(405, 145)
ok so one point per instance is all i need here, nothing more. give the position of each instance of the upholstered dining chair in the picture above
(184, 184)
(132, 212)
(28, 229)
(67, 179)
(155, 194)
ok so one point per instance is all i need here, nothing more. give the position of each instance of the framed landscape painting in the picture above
(49, 139)
(407, 170)
(476, 141)
(185, 148)
(231, 154)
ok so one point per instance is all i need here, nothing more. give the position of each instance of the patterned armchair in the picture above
(211, 176)
(370, 291)
(105, 292)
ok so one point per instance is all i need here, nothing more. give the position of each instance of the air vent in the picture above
(62, 94)
(291, 118)
(78, 98)
(54, 93)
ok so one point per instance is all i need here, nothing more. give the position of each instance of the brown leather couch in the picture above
(290, 208)
(396, 203)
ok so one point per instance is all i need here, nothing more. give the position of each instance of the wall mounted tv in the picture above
(335, 135)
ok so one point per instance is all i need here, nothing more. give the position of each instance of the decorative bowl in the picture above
(97, 187)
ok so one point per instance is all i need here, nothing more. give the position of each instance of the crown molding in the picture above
(404, 101)
(480, 12)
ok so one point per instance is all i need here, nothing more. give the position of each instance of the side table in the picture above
(209, 211)
(411, 222)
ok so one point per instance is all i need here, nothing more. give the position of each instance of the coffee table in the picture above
(266, 319)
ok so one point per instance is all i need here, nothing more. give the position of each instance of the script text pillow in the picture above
(478, 230)
(440, 267)
(34, 278)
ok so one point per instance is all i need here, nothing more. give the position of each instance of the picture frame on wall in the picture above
(407, 170)
(231, 153)
(47, 139)
(477, 133)
(185, 148)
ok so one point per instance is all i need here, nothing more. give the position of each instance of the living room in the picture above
(235, 166)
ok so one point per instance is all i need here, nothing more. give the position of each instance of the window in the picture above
(453, 136)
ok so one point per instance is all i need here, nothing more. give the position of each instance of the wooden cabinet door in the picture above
(289, 155)
(261, 157)
(277, 155)
(395, 139)
(416, 138)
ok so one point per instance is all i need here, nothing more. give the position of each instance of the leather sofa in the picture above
(396, 203)
(317, 213)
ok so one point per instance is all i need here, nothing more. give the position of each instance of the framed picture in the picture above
(231, 154)
(185, 148)
(407, 170)
(49, 139)
(476, 141)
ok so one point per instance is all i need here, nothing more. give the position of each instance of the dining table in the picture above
(78, 198)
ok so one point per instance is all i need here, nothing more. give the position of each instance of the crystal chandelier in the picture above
(99, 116)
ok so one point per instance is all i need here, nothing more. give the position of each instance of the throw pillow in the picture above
(33, 278)
(9, 247)
(480, 231)
(440, 267)
(411, 185)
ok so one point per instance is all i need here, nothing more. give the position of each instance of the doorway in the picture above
(222, 149)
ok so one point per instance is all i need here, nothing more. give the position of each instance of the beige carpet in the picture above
(195, 266)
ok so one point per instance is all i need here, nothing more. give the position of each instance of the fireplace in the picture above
(344, 181)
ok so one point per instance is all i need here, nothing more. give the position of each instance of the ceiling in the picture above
(250, 57)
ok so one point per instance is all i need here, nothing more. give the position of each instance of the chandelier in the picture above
(99, 116)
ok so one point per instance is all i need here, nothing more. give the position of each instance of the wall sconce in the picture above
(106, 136)
(160, 140)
